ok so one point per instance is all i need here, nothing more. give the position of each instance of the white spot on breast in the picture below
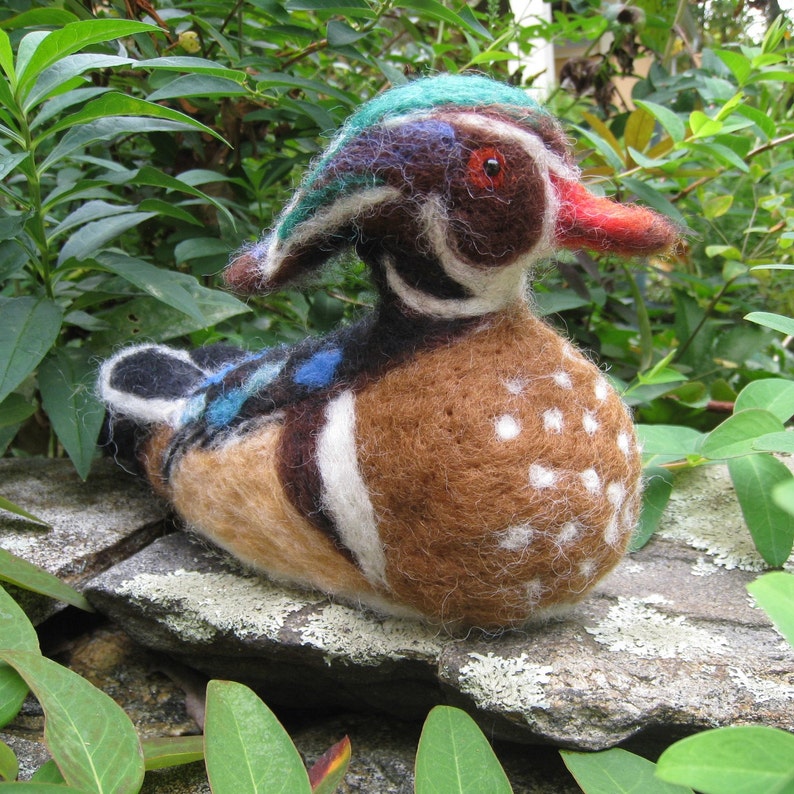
(616, 493)
(613, 533)
(516, 385)
(624, 442)
(601, 389)
(591, 480)
(569, 352)
(589, 423)
(534, 591)
(587, 569)
(562, 379)
(507, 427)
(517, 538)
(541, 477)
(569, 532)
(552, 420)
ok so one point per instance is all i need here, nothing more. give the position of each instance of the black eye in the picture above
(491, 167)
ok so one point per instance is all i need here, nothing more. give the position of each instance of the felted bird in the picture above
(449, 456)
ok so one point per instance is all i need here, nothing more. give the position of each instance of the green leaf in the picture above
(247, 750)
(166, 286)
(716, 207)
(454, 757)
(329, 770)
(44, 51)
(91, 739)
(153, 320)
(7, 57)
(759, 118)
(60, 73)
(616, 771)
(340, 34)
(434, 10)
(15, 409)
(16, 633)
(776, 321)
(783, 494)
(639, 129)
(156, 178)
(89, 240)
(655, 496)
(167, 751)
(113, 105)
(200, 247)
(10, 162)
(728, 251)
(654, 199)
(774, 395)
(38, 18)
(772, 528)
(735, 436)
(184, 63)
(199, 85)
(108, 129)
(667, 443)
(48, 772)
(25, 574)
(87, 212)
(19, 511)
(603, 147)
(702, 126)
(167, 209)
(775, 593)
(67, 392)
(744, 759)
(38, 788)
(28, 329)
(9, 766)
(775, 442)
(739, 65)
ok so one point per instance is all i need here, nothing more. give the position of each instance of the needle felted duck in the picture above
(448, 456)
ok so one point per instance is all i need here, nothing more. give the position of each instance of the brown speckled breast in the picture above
(503, 471)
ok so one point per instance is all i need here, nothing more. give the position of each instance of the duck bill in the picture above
(600, 224)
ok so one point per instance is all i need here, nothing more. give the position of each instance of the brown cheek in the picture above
(492, 227)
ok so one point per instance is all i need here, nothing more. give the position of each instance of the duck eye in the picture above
(491, 167)
(486, 168)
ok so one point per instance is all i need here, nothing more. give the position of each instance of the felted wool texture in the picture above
(232, 496)
(600, 224)
(512, 479)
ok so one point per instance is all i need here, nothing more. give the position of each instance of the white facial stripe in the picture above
(321, 224)
(528, 141)
(344, 493)
(504, 281)
(447, 308)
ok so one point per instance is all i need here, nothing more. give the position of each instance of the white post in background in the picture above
(538, 62)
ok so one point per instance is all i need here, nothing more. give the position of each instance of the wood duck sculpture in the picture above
(448, 456)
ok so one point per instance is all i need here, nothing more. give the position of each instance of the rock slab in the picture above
(670, 642)
(92, 524)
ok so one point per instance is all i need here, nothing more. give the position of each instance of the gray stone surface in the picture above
(94, 524)
(670, 642)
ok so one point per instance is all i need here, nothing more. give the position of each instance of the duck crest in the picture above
(449, 456)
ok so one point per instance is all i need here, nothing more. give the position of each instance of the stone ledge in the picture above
(94, 524)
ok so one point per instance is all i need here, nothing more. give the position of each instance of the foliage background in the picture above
(140, 145)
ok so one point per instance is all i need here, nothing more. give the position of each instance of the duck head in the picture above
(449, 188)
